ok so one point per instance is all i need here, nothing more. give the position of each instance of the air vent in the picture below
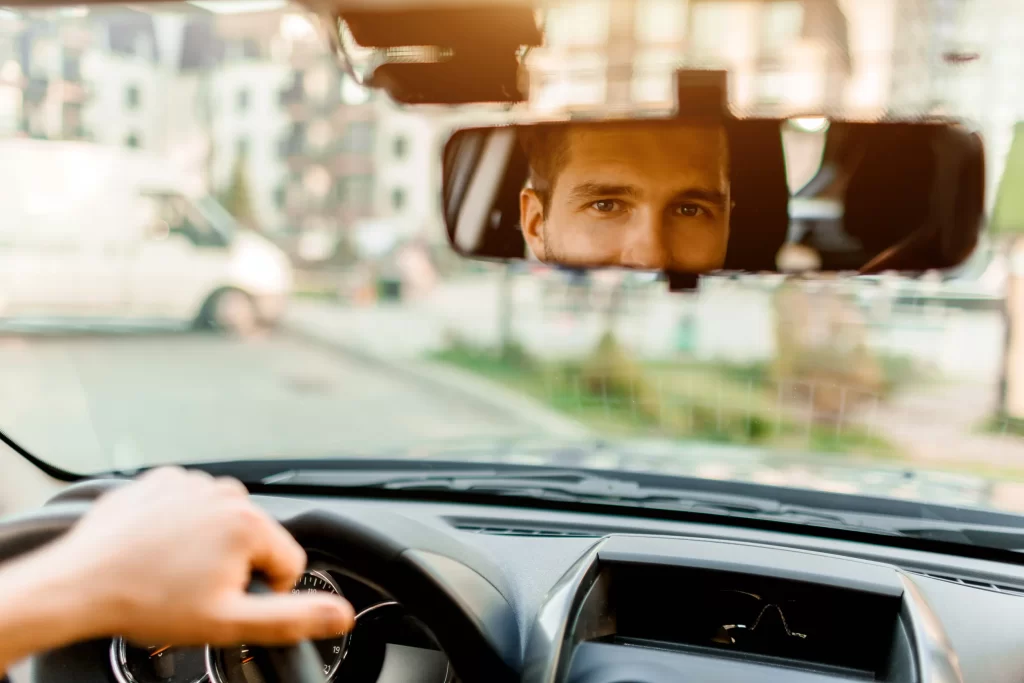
(545, 531)
(974, 583)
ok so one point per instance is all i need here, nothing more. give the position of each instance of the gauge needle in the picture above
(247, 660)
(159, 651)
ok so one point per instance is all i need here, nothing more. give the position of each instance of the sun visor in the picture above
(452, 55)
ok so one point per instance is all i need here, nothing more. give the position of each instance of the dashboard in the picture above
(490, 593)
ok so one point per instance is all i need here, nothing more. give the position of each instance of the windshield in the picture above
(143, 327)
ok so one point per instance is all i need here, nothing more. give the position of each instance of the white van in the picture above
(98, 232)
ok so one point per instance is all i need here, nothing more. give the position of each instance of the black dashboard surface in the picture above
(523, 553)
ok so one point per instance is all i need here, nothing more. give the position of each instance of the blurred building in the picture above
(785, 57)
(327, 147)
(251, 100)
(43, 60)
(407, 151)
(11, 75)
(407, 160)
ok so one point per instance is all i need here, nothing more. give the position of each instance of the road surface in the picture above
(97, 402)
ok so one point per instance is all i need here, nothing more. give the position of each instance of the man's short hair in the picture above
(547, 151)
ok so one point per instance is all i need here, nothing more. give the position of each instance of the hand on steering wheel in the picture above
(168, 559)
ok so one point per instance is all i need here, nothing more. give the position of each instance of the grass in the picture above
(617, 397)
(1003, 424)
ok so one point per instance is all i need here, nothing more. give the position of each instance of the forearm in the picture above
(44, 603)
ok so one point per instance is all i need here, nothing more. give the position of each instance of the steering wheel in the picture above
(453, 589)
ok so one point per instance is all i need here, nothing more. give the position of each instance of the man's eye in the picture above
(690, 210)
(605, 205)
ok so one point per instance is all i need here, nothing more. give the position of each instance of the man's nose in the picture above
(645, 246)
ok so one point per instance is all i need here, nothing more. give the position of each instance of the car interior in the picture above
(469, 587)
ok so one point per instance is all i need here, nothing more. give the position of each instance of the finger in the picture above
(231, 486)
(164, 473)
(284, 619)
(200, 475)
(275, 553)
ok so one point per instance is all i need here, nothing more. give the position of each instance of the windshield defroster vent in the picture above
(974, 583)
(527, 530)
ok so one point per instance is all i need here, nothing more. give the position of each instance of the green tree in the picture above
(236, 198)
(1007, 227)
(1008, 212)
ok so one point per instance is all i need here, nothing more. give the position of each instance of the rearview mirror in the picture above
(703, 195)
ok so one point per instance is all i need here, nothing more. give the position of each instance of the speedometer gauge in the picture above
(156, 663)
(241, 664)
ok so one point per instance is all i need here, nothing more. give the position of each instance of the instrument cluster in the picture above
(387, 645)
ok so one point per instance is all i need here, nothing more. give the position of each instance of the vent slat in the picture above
(531, 531)
(544, 531)
(974, 583)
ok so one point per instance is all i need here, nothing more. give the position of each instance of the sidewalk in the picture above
(470, 309)
(397, 339)
(398, 332)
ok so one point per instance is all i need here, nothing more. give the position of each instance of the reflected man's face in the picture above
(640, 195)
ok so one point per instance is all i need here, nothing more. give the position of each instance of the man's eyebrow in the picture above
(591, 190)
(716, 197)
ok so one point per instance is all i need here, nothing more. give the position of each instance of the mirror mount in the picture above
(702, 94)
(682, 282)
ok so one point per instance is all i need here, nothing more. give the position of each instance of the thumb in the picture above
(285, 618)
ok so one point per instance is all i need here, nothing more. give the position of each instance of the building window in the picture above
(132, 97)
(133, 141)
(72, 67)
(243, 100)
(709, 22)
(293, 94)
(660, 21)
(358, 137)
(355, 191)
(781, 24)
(578, 23)
(397, 198)
(294, 143)
(400, 146)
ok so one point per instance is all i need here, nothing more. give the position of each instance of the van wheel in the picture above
(232, 311)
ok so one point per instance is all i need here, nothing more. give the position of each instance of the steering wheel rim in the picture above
(433, 576)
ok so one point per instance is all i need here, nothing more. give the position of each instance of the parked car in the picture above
(121, 234)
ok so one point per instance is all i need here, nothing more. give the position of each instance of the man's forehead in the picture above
(649, 148)
(654, 134)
